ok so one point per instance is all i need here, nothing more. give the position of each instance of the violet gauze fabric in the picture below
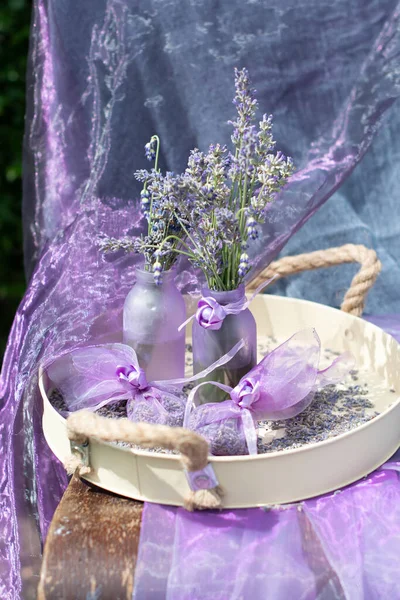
(342, 546)
(103, 76)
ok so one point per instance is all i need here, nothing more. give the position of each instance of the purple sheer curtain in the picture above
(103, 76)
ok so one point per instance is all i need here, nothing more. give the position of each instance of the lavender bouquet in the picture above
(154, 308)
(212, 211)
(227, 196)
(224, 195)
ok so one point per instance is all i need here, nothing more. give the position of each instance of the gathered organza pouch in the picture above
(96, 376)
(280, 386)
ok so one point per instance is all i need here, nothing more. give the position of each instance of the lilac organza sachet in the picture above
(281, 386)
(95, 376)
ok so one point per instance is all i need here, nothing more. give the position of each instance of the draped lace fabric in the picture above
(103, 76)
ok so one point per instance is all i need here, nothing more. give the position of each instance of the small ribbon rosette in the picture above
(281, 386)
(95, 376)
(210, 314)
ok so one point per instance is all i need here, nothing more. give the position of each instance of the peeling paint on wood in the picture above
(91, 548)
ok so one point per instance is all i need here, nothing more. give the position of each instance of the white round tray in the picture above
(278, 477)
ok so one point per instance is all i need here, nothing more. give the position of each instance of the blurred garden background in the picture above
(14, 40)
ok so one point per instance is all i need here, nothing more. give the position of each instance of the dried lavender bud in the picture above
(150, 150)
(226, 438)
(164, 410)
(116, 410)
(175, 409)
(143, 412)
(57, 401)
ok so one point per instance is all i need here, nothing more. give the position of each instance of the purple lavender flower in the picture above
(157, 269)
(243, 265)
(145, 201)
(150, 150)
(252, 231)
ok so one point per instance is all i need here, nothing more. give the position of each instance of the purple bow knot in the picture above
(210, 314)
(94, 376)
(246, 393)
(134, 376)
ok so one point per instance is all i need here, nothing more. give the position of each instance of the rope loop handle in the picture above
(362, 282)
(84, 425)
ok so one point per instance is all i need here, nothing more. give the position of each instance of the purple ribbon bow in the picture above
(133, 376)
(210, 313)
(280, 387)
(95, 376)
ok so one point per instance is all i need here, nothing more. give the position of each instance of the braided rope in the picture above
(84, 424)
(362, 282)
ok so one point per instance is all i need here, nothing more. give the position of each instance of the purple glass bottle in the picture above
(209, 345)
(152, 315)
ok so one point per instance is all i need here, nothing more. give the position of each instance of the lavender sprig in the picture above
(160, 198)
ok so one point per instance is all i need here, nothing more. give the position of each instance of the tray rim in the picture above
(223, 459)
(173, 460)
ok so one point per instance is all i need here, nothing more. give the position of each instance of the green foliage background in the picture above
(14, 38)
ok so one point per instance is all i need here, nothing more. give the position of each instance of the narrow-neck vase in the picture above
(209, 345)
(152, 315)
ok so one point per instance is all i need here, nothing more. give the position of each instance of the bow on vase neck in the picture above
(210, 314)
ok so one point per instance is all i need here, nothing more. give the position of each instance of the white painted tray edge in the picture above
(274, 478)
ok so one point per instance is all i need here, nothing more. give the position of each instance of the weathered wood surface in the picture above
(91, 548)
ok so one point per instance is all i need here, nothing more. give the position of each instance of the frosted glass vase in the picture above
(152, 315)
(209, 345)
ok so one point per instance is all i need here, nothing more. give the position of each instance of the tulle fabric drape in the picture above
(342, 546)
(103, 76)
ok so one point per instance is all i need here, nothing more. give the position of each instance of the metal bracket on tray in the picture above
(82, 450)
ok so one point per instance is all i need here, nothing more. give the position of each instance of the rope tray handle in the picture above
(362, 282)
(84, 425)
